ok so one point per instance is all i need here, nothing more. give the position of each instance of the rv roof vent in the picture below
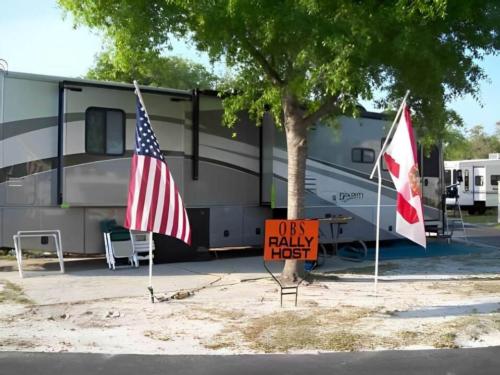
(495, 156)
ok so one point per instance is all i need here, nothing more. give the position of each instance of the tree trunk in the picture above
(296, 140)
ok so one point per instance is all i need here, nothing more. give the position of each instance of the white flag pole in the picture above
(138, 92)
(379, 188)
(150, 285)
(377, 163)
(377, 234)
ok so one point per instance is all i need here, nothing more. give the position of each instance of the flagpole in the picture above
(377, 234)
(138, 92)
(377, 163)
(379, 189)
(148, 149)
(150, 287)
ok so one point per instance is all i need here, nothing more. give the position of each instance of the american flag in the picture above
(154, 203)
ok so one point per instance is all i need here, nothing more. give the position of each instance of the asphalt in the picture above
(477, 361)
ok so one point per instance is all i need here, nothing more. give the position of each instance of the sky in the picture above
(36, 39)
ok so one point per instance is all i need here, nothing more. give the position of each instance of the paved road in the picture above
(447, 362)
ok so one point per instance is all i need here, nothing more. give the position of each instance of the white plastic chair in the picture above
(140, 245)
(118, 249)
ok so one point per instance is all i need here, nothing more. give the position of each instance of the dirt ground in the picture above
(233, 307)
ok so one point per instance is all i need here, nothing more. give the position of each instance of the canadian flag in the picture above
(401, 160)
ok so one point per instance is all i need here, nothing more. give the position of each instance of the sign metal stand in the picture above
(285, 289)
(290, 240)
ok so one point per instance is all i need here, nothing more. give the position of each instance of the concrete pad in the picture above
(90, 279)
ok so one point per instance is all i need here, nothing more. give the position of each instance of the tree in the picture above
(153, 70)
(482, 144)
(456, 145)
(474, 143)
(313, 59)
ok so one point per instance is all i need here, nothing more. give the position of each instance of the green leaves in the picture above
(316, 50)
(150, 69)
(471, 144)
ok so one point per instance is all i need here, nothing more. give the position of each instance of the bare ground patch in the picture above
(468, 287)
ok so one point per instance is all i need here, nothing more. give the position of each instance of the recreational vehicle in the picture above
(65, 156)
(476, 183)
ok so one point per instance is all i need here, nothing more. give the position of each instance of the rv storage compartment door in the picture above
(226, 226)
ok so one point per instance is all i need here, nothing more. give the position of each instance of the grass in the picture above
(477, 287)
(318, 329)
(439, 338)
(6, 254)
(343, 329)
(490, 216)
(480, 219)
(445, 335)
(13, 293)
(492, 287)
(7, 257)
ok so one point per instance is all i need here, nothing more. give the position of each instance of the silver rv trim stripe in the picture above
(365, 182)
(12, 128)
(45, 165)
(255, 157)
(18, 127)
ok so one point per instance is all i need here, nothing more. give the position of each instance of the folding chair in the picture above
(117, 243)
(140, 245)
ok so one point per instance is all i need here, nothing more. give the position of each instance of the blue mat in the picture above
(402, 249)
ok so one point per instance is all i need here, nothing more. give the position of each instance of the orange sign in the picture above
(291, 239)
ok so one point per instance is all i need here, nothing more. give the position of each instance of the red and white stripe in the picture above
(154, 203)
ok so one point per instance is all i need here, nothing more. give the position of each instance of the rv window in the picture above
(466, 180)
(104, 131)
(362, 155)
(447, 177)
(494, 181)
(478, 180)
(382, 141)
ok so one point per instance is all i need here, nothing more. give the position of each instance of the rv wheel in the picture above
(471, 210)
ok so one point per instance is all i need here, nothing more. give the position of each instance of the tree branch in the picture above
(270, 71)
(327, 107)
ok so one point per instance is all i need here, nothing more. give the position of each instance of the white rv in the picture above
(65, 148)
(476, 181)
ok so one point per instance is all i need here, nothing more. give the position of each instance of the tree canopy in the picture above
(173, 72)
(325, 54)
(473, 143)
